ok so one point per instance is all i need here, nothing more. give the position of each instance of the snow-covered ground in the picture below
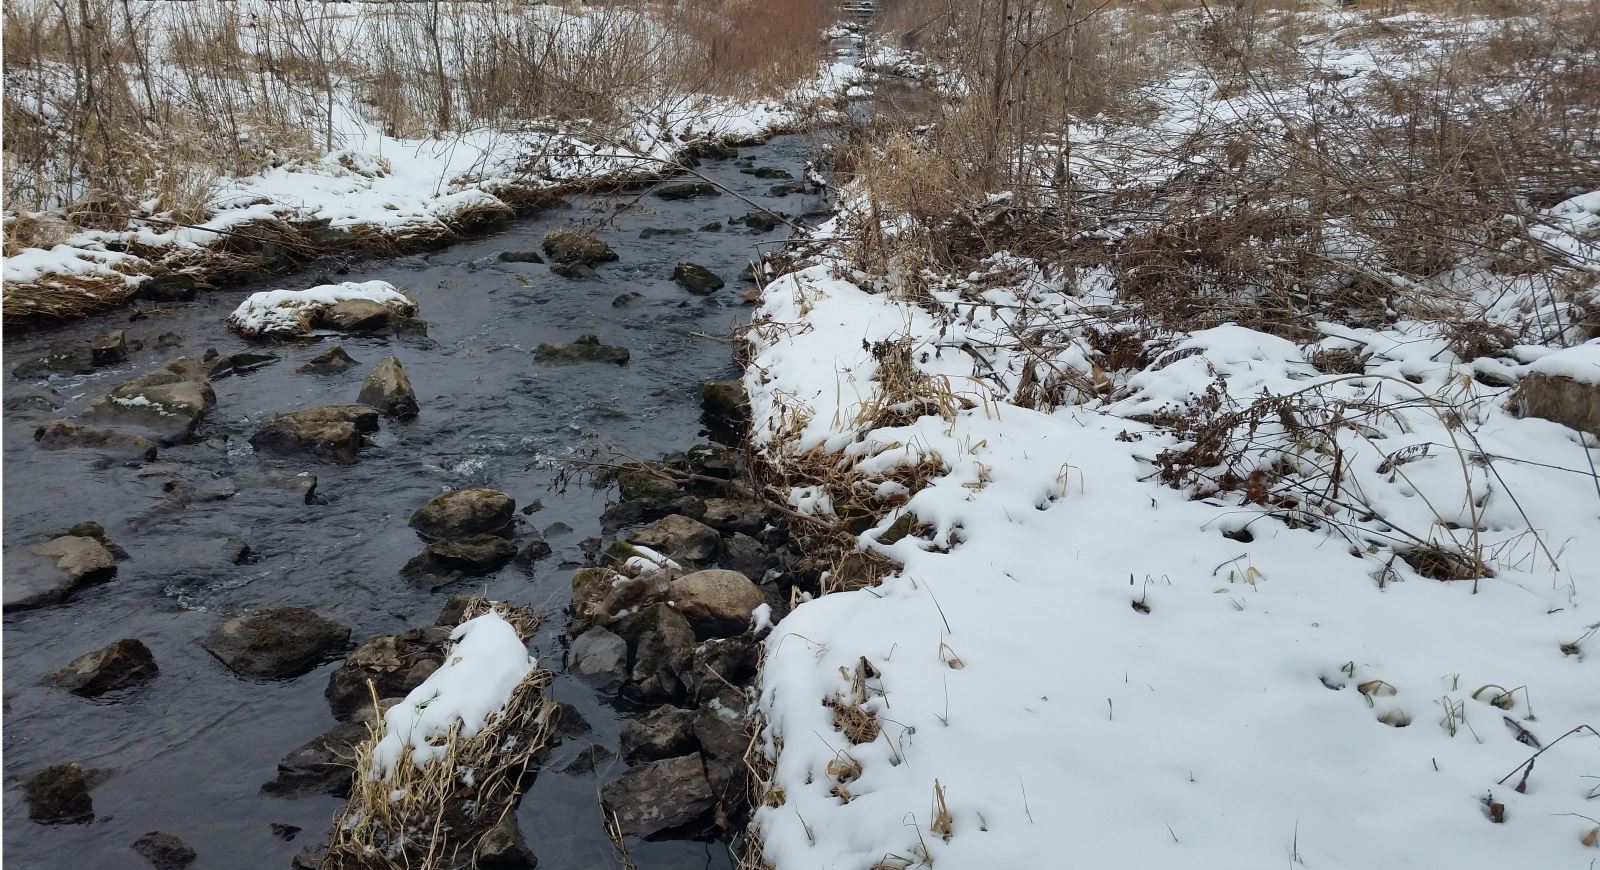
(1182, 613)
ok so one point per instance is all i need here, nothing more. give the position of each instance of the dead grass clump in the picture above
(856, 723)
(418, 819)
(1439, 563)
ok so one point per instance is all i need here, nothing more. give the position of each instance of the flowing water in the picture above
(188, 752)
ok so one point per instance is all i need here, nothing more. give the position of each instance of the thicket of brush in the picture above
(1321, 202)
(113, 106)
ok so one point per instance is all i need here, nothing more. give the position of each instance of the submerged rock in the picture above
(623, 300)
(124, 663)
(520, 257)
(696, 278)
(573, 247)
(165, 851)
(276, 644)
(327, 432)
(716, 602)
(688, 190)
(768, 172)
(725, 409)
(169, 403)
(787, 189)
(713, 227)
(227, 365)
(389, 390)
(679, 538)
(464, 512)
(59, 794)
(334, 359)
(65, 434)
(474, 554)
(671, 796)
(652, 232)
(61, 358)
(761, 221)
(48, 573)
(586, 348)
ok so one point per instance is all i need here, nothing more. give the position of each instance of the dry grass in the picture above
(420, 819)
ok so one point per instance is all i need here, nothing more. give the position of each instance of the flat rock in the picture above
(679, 538)
(600, 658)
(768, 172)
(670, 796)
(761, 221)
(652, 232)
(122, 664)
(689, 190)
(59, 794)
(520, 257)
(168, 403)
(661, 733)
(716, 602)
(696, 278)
(65, 434)
(164, 851)
(389, 390)
(277, 643)
(328, 432)
(585, 348)
(243, 363)
(48, 573)
(464, 512)
(474, 554)
(322, 765)
(573, 247)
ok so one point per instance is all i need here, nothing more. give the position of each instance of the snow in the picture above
(483, 668)
(289, 312)
(1090, 672)
(1581, 363)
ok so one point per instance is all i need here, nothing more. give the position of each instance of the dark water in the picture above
(187, 753)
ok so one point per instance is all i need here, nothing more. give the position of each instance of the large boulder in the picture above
(48, 573)
(327, 432)
(168, 403)
(716, 602)
(124, 663)
(723, 732)
(661, 798)
(661, 733)
(389, 390)
(599, 658)
(59, 794)
(1570, 402)
(283, 313)
(573, 247)
(65, 434)
(678, 537)
(585, 348)
(277, 643)
(464, 512)
(696, 278)
(322, 765)
(164, 851)
(661, 653)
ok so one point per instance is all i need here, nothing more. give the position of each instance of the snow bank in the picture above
(1076, 665)
(1581, 363)
(484, 667)
(292, 312)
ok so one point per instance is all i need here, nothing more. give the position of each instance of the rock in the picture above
(641, 484)
(533, 551)
(713, 227)
(745, 554)
(284, 832)
(29, 406)
(64, 434)
(124, 663)
(48, 573)
(721, 661)
(109, 348)
(1563, 400)
(520, 257)
(667, 797)
(591, 587)
(716, 150)
(588, 760)
(326, 432)
(169, 339)
(465, 512)
(768, 172)
(322, 765)
(164, 851)
(169, 402)
(570, 722)
(661, 733)
(572, 247)
(474, 554)
(354, 316)
(238, 364)
(394, 664)
(688, 190)
(277, 643)
(585, 348)
(573, 271)
(502, 847)
(389, 390)
(722, 731)
(623, 300)
(696, 278)
(679, 538)
(761, 221)
(725, 409)
(735, 515)
(652, 232)
(787, 189)
(334, 359)
(661, 646)
(59, 794)
(600, 659)
(716, 602)
(63, 358)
